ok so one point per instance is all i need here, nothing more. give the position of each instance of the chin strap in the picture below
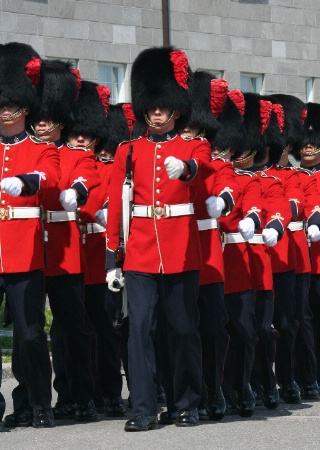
(48, 130)
(156, 125)
(247, 158)
(15, 115)
(220, 155)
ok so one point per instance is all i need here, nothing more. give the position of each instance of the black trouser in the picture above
(213, 332)
(101, 306)
(242, 327)
(2, 400)
(306, 364)
(30, 358)
(314, 296)
(262, 374)
(284, 321)
(177, 295)
(70, 341)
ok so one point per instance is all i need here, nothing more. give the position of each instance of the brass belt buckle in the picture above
(158, 212)
(3, 213)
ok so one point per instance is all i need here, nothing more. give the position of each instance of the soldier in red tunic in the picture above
(305, 361)
(163, 254)
(65, 254)
(310, 168)
(29, 167)
(209, 97)
(101, 303)
(283, 255)
(275, 214)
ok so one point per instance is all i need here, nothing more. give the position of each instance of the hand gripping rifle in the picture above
(127, 198)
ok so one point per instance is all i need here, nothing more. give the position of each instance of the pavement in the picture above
(290, 427)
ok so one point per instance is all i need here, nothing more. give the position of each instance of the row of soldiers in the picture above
(216, 260)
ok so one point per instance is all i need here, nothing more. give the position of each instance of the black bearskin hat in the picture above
(162, 78)
(231, 134)
(91, 111)
(255, 123)
(20, 67)
(311, 128)
(122, 126)
(275, 132)
(311, 133)
(57, 93)
(208, 99)
(294, 113)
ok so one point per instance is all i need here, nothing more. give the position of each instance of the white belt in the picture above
(20, 212)
(60, 216)
(91, 228)
(296, 226)
(150, 211)
(207, 224)
(236, 238)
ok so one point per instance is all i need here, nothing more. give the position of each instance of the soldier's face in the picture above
(163, 119)
(309, 155)
(47, 130)
(189, 132)
(79, 140)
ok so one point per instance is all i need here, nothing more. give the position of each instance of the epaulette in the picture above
(265, 175)
(286, 167)
(304, 170)
(132, 140)
(197, 138)
(39, 141)
(244, 172)
(219, 158)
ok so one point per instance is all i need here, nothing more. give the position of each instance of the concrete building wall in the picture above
(276, 38)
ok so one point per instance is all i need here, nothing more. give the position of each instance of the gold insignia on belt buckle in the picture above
(158, 212)
(3, 213)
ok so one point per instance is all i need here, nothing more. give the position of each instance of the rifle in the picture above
(127, 198)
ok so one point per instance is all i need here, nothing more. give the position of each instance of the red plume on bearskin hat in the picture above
(208, 97)
(161, 78)
(294, 110)
(231, 133)
(20, 67)
(57, 93)
(91, 110)
(311, 133)
(122, 126)
(256, 121)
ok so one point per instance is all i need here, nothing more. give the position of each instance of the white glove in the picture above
(115, 279)
(246, 228)
(174, 167)
(215, 206)
(101, 217)
(12, 186)
(270, 236)
(314, 233)
(68, 200)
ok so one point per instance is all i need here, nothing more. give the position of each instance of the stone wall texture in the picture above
(277, 38)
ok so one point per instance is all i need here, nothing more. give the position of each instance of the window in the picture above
(217, 73)
(112, 75)
(251, 83)
(309, 89)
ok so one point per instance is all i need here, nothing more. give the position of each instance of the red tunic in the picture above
(165, 245)
(95, 243)
(315, 246)
(276, 213)
(222, 182)
(238, 258)
(21, 240)
(65, 254)
(283, 255)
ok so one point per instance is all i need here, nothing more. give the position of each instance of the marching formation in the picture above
(171, 235)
